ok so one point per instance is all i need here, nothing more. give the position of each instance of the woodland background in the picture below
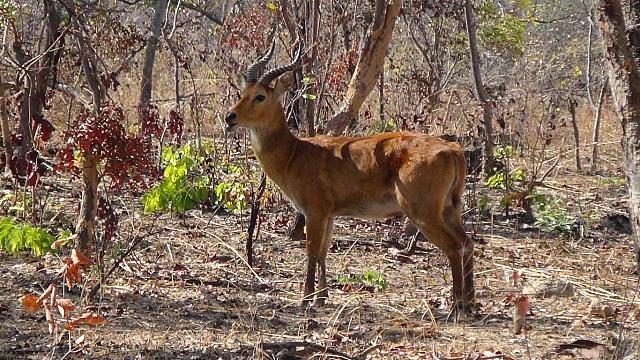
(113, 147)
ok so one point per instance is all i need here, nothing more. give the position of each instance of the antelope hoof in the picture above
(404, 256)
(305, 305)
(320, 302)
(408, 250)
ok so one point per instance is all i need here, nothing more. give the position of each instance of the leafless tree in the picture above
(622, 50)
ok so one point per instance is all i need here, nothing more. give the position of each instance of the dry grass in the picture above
(187, 294)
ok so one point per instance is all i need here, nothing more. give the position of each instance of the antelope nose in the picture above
(230, 117)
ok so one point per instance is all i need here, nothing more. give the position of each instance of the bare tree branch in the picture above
(208, 14)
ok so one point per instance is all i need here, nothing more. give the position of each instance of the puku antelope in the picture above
(370, 177)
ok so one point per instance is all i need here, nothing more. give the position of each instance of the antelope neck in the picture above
(274, 147)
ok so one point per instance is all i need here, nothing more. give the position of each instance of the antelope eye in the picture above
(260, 98)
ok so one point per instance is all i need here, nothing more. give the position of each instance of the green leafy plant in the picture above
(230, 195)
(368, 278)
(484, 204)
(179, 190)
(608, 181)
(499, 180)
(185, 184)
(9, 10)
(383, 126)
(503, 152)
(501, 31)
(551, 216)
(15, 237)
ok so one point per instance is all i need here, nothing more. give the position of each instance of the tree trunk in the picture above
(381, 99)
(36, 81)
(294, 108)
(28, 103)
(89, 68)
(146, 85)
(622, 54)
(370, 64)
(254, 221)
(346, 41)
(4, 126)
(576, 132)
(312, 38)
(592, 27)
(596, 128)
(483, 97)
(85, 228)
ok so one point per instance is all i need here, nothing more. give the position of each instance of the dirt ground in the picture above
(187, 292)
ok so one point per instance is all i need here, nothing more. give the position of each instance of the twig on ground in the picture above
(134, 244)
(238, 255)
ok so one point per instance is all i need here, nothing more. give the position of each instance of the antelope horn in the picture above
(251, 75)
(274, 73)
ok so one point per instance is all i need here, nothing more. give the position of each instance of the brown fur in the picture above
(376, 176)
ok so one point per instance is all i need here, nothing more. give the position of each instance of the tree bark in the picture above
(370, 64)
(312, 38)
(576, 132)
(483, 97)
(381, 99)
(85, 228)
(596, 128)
(591, 15)
(4, 126)
(622, 55)
(36, 81)
(295, 112)
(146, 85)
(91, 76)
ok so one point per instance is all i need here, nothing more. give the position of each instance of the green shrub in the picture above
(15, 237)
(550, 215)
(484, 204)
(499, 180)
(185, 184)
(179, 190)
(230, 195)
(16, 203)
(368, 278)
(501, 31)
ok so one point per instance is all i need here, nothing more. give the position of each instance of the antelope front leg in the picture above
(455, 261)
(467, 267)
(323, 289)
(316, 254)
(310, 280)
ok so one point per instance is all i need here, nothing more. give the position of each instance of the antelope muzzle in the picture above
(230, 119)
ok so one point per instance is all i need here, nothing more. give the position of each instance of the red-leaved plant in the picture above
(126, 159)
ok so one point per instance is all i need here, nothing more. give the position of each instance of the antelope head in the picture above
(259, 104)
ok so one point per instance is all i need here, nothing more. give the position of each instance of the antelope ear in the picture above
(283, 83)
(240, 80)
